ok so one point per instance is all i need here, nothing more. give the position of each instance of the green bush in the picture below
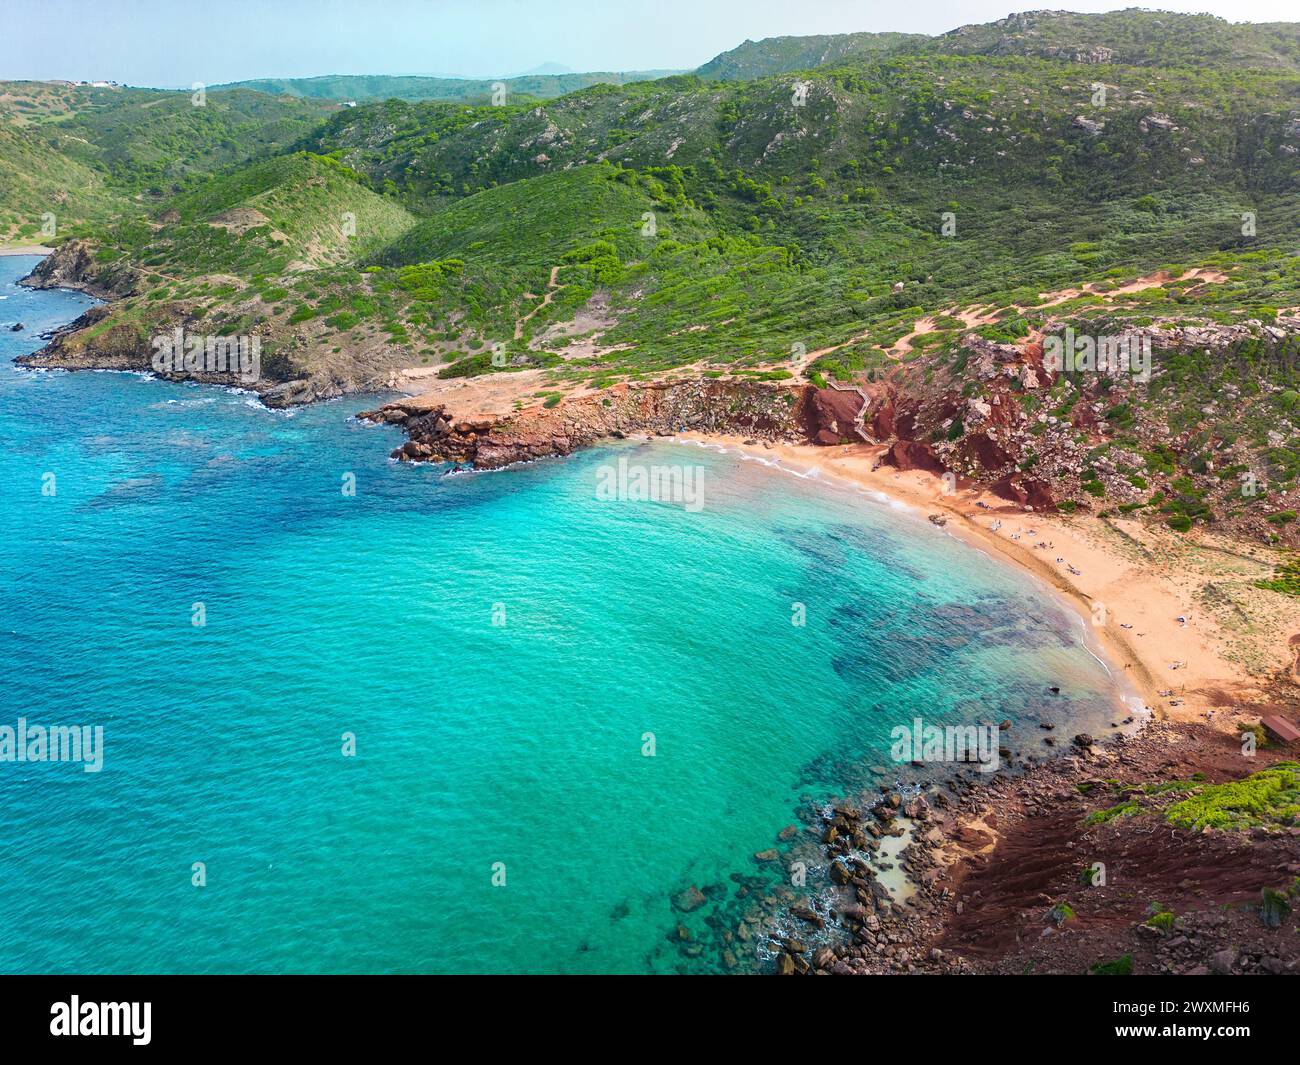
(1270, 797)
(1121, 966)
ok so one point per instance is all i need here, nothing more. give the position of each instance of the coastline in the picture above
(1122, 573)
(26, 249)
(1122, 566)
(1126, 571)
(939, 882)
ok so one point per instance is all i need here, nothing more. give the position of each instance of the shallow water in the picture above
(522, 743)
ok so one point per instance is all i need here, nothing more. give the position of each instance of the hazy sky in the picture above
(178, 42)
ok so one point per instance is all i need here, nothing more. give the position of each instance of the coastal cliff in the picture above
(766, 412)
(72, 265)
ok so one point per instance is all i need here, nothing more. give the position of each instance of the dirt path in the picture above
(552, 287)
(977, 315)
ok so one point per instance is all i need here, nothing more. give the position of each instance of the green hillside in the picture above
(288, 213)
(1133, 37)
(35, 181)
(156, 141)
(533, 223)
(778, 55)
(783, 221)
(90, 154)
(151, 137)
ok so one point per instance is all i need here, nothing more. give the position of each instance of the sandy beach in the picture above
(1178, 616)
(25, 249)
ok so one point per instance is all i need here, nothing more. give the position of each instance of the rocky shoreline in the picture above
(436, 434)
(72, 266)
(1027, 871)
(972, 418)
(95, 341)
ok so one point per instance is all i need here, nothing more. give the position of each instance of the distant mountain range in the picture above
(543, 83)
(1135, 37)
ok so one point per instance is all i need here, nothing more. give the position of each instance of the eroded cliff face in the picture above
(758, 411)
(875, 413)
(979, 439)
(835, 415)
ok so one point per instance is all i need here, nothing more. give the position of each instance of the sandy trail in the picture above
(974, 316)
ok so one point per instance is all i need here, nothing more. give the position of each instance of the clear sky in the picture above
(174, 43)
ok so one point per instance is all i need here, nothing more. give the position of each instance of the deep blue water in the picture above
(476, 743)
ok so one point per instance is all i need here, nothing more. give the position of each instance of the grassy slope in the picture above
(287, 214)
(34, 181)
(529, 223)
(824, 208)
(157, 141)
(778, 55)
(1132, 36)
(310, 200)
(91, 154)
(851, 187)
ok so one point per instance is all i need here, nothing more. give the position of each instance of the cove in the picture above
(478, 746)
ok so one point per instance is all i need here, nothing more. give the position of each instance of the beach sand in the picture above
(1133, 583)
(25, 249)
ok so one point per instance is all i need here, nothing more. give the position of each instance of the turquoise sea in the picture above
(479, 747)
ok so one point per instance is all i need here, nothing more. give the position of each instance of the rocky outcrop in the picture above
(913, 455)
(750, 409)
(1081, 54)
(1024, 491)
(835, 415)
(99, 341)
(986, 452)
(116, 348)
(994, 875)
(72, 265)
(1157, 121)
